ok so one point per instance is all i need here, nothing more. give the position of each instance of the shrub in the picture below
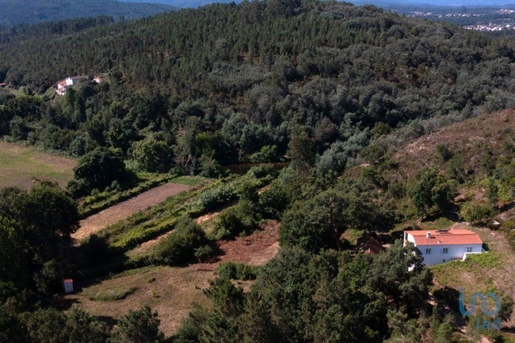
(181, 245)
(444, 152)
(204, 253)
(474, 212)
(212, 198)
(273, 201)
(262, 171)
(237, 271)
(233, 222)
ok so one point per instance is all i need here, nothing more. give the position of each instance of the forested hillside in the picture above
(227, 83)
(17, 12)
(330, 87)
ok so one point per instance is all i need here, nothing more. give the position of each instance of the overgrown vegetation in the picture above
(330, 87)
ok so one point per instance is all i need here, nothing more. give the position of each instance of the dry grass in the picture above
(20, 165)
(469, 137)
(169, 291)
(173, 291)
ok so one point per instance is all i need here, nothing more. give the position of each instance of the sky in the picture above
(195, 3)
(441, 2)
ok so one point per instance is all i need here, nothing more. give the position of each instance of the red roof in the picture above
(453, 236)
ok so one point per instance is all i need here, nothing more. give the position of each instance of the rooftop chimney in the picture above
(428, 235)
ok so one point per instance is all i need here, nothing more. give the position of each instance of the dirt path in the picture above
(125, 209)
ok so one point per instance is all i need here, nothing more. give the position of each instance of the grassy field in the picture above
(489, 272)
(19, 165)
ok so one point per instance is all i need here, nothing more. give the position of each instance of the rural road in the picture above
(123, 210)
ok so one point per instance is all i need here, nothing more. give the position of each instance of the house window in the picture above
(469, 249)
(445, 250)
(428, 251)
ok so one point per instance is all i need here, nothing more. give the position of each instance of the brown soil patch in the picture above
(125, 209)
(173, 291)
(256, 249)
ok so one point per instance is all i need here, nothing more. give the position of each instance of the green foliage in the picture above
(97, 170)
(444, 152)
(268, 153)
(138, 326)
(241, 94)
(34, 224)
(152, 155)
(431, 191)
(473, 211)
(13, 263)
(100, 201)
(237, 271)
(234, 221)
(52, 325)
(212, 198)
(181, 245)
(274, 200)
(319, 222)
(301, 150)
(204, 253)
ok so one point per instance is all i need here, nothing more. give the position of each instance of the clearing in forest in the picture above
(20, 165)
(125, 209)
(172, 291)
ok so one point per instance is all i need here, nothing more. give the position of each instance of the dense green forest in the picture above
(322, 84)
(344, 73)
(19, 12)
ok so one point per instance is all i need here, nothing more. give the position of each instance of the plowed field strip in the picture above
(125, 209)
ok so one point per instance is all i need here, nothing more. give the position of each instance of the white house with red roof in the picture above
(63, 85)
(438, 246)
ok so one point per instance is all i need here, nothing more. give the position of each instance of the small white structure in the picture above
(438, 246)
(70, 81)
(63, 85)
(68, 286)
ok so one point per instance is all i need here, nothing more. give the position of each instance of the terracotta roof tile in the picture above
(450, 237)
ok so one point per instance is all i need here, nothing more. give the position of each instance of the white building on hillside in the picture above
(438, 246)
(63, 85)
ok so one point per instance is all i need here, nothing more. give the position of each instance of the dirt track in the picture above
(125, 209)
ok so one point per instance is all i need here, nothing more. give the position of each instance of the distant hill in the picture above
(185, 3)
(476, 3)
(16, 12)
(379, 3)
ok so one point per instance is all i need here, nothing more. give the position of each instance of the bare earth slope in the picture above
(470, 137)
(125, 209)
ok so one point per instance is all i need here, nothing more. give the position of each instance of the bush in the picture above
(273, 201)
(212, 198)
(237, 271)
(232, 222)
(204, 253)
(474, 212)
(181, 245)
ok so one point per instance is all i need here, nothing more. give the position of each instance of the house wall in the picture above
(436, 256)
(454, 251)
